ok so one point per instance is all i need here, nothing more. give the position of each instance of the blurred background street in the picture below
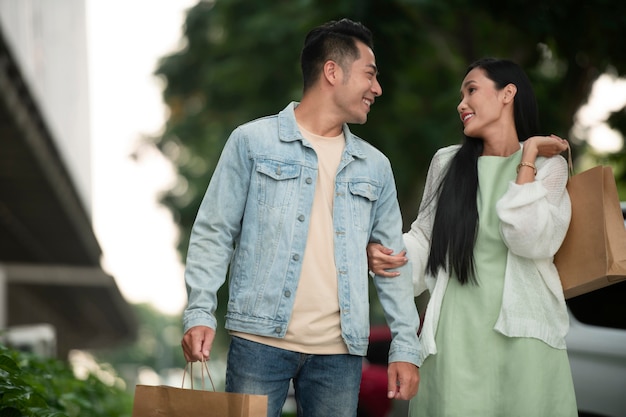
(113, 114)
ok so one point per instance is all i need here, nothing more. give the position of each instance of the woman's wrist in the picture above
(526, 164)
(530, 151)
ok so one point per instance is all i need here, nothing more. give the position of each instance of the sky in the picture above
(137, 235)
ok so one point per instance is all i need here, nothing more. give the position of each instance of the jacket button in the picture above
(287, 293)
(277, 330)
(301, 217)
(296, 257)
(309, 180)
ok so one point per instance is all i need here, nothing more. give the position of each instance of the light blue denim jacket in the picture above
(255, 218)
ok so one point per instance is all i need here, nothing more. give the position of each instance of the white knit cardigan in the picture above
(534, 219)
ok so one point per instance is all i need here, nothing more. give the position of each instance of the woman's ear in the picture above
(509, 93)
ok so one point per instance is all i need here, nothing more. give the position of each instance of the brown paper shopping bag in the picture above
(165, 401)
(593, 254)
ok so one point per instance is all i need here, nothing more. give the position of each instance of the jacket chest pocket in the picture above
(363, 196)
(277, 182)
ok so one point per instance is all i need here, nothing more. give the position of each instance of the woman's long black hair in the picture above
(456, 220)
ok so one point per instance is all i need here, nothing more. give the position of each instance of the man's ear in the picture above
(509, 93)
(332, 72)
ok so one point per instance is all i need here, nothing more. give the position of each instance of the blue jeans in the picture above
(325, 385)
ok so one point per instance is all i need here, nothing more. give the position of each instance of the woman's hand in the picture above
(547, 146)
(380, 259)
(534, 146)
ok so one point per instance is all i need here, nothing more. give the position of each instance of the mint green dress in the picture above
(477, 371)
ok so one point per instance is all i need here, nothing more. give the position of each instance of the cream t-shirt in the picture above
(315, 325)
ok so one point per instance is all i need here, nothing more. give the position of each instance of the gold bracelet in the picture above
(527, 164)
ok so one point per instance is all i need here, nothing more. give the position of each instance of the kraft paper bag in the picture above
(593, 254)
(164, 401)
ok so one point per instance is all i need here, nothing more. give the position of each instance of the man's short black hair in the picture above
(334, 40)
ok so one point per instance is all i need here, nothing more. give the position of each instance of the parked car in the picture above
(596, 346)
(597, 349)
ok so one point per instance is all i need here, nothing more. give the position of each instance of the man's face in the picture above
(359, 86)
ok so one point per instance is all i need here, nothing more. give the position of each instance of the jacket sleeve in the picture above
(395, 294)
(215, 231)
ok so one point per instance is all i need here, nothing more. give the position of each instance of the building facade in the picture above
(50, 271)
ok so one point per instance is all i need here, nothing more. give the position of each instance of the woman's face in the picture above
(481, 106)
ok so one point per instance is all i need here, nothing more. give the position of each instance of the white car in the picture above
(597, 356)
(596, 345)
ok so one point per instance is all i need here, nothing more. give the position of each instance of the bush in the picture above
(35, 386)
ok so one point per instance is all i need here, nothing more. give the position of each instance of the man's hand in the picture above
(197, 343)
(403, 380)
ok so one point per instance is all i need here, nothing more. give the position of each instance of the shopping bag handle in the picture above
(570, 164)
(205, 365)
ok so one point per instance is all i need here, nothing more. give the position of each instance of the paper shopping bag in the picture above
(165, 401)
(593, 254)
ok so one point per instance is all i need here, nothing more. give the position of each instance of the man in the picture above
(293, 202)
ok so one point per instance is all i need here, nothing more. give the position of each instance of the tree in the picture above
(241, 62)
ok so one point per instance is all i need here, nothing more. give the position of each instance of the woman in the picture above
(494, 212)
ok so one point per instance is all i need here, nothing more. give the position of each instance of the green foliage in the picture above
(241, 62)
(33, 386)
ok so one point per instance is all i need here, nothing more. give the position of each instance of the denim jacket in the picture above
(255, 218)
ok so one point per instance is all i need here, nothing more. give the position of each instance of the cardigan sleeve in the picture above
(534, 220)
(417, 239)
(535, 216)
